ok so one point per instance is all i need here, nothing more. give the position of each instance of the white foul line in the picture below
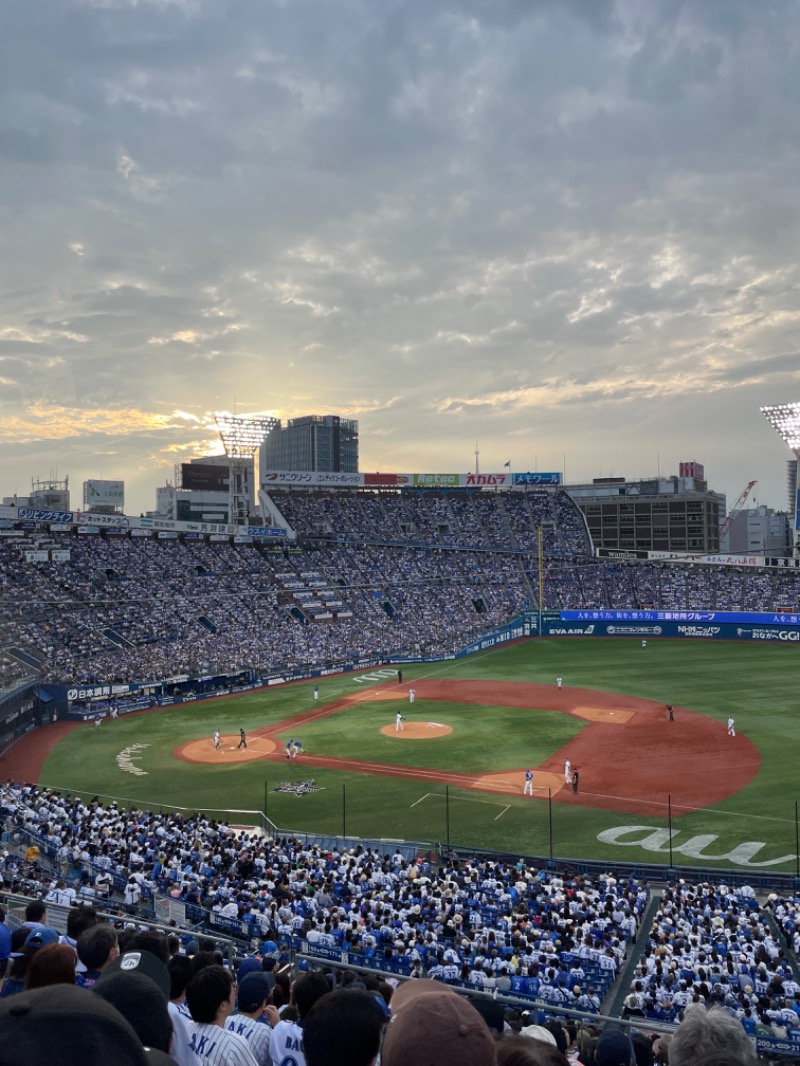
(421, 799)
(500, 815)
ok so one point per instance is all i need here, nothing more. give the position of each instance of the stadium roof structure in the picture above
(241, 435)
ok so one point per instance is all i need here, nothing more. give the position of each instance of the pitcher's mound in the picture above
(417, 731)
(203, 751)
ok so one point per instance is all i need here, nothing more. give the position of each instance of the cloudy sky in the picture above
(565, 230)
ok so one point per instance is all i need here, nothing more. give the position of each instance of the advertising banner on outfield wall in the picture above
(775, 631)
(701, 617)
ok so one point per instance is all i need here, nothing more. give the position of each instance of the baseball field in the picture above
(455, 773)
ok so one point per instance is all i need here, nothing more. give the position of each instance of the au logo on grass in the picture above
(298, 788)
(658, 840)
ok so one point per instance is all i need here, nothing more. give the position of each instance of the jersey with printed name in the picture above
(257, 1035)
(286, 1045)
(212, 1045)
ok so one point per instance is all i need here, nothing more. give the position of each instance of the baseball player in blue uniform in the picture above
(528, 787)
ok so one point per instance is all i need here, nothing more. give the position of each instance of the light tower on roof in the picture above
(785, 419)
(241, 437)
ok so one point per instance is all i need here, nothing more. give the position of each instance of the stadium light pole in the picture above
(785, 420)
(241, 438)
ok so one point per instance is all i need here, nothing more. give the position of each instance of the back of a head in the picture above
(95, 944)
(492, 1013)
(35, 911)
(202, 959)
(67, 1025)
(614, 1048)
(528, 1051)
(154, 941)
(179, 968)
(710, 1038)
(343, 1029)
(206, 991)
(307, 990)
(79, 920)
(51, 965)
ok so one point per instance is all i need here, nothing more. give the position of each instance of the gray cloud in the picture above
(550, 227)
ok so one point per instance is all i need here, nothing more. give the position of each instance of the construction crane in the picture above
(724, 529)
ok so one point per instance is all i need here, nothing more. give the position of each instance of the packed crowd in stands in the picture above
(714, 945)
(474, 924)
(488, 924)
(413, 574)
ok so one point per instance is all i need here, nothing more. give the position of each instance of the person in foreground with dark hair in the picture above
(710, 1038)
(98, 946)
(211, 997)
(343, 1028)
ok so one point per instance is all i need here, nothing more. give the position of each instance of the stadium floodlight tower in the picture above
(785, 418)
(241, 437)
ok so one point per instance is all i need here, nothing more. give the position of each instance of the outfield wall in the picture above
(690, 625)
(693, 625)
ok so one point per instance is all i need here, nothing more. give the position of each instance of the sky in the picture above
(562, 231)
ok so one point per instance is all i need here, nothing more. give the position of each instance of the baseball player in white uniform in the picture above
(567, 772)
(216, 741)
(528, 786)
(559, 681)
(411, 695)
(731, 728)
(398, 723)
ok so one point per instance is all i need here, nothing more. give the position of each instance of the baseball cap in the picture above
(433, 1026)
(254, 988)
(251, 965)
(86, 1030)
(613, 1048)
(41, 936)
(141, 962)
(140, 1002)
(538, 1032)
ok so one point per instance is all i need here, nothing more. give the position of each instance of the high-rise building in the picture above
(323, 443)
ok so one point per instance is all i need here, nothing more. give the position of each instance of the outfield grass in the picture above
(755, 683)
